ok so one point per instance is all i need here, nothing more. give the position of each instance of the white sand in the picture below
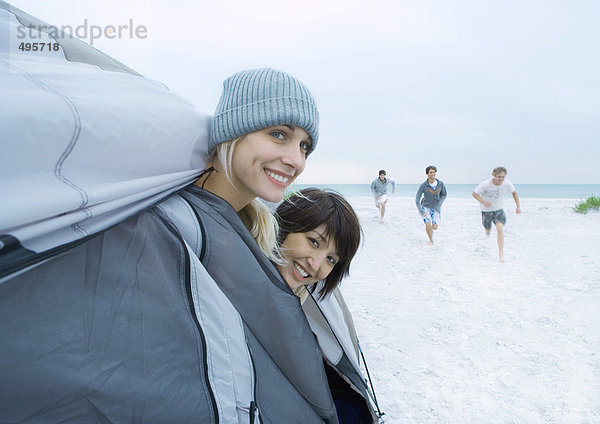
(452, 335)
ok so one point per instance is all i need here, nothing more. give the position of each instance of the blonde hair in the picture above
(256, 217)
(498, 170)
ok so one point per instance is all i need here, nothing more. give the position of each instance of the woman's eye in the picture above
(313, 241)
(278, 135)
(331, 259)
(306, 146)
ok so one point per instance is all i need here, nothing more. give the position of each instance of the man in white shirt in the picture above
(489, 194)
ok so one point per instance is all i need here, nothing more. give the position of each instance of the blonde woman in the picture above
(176, 314)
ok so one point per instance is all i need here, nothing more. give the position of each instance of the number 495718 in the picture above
(34, 47)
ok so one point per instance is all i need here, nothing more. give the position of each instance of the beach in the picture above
(452, 335)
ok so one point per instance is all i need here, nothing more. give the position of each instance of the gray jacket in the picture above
(432, 197)
(379, 188)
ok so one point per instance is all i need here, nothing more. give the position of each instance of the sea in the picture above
(546, 191)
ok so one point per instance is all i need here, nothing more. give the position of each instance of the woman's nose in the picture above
(295, 157)
(315, 262)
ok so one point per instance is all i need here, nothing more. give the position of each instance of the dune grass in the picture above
(590, 203)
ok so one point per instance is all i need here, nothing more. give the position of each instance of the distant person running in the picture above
(379, 188)
(429, 198)
(489, 194)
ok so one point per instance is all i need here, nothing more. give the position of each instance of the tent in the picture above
(332, 323)
(63, 141)
(88, 147)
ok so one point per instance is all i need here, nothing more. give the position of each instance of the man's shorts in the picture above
(494, 216)
(431, 216)
(381, 200)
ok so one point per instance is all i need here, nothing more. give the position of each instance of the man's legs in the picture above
(429, 231)
(500, 231)
(435, 217)
(486, 221)
(380, 202)
(429, 218)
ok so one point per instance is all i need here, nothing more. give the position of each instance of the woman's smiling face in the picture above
(309, 257)
(267, 161)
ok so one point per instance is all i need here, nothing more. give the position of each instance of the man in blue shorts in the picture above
(429, 198)
(489, 194)
(379, 188)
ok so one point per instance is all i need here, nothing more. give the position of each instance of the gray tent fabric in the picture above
(92, 142)
(228, 360)
(332, 323)
(74, 49)
(111, 330)
(271, 312)
(104, 333)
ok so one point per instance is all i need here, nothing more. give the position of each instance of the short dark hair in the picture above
(430, 167)
(306, 210)
(382, 171)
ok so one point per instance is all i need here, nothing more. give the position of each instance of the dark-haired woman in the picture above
(319, 234)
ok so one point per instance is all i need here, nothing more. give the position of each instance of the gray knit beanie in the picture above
(261, 98)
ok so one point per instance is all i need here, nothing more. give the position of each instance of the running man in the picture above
(379, 188)
(490, 195)
(429, 198)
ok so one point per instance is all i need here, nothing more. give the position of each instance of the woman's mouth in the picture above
(300, 271)
(278, 178)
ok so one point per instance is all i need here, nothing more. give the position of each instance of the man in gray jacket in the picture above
(379, 188)
(430, 196)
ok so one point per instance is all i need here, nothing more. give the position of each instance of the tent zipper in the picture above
(188, 290)
(255, 417)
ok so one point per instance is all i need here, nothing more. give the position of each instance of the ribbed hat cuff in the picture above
(265, 113)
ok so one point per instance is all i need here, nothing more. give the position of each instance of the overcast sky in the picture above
(466, 85)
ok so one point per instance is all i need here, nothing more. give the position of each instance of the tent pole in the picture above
(370, 382)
